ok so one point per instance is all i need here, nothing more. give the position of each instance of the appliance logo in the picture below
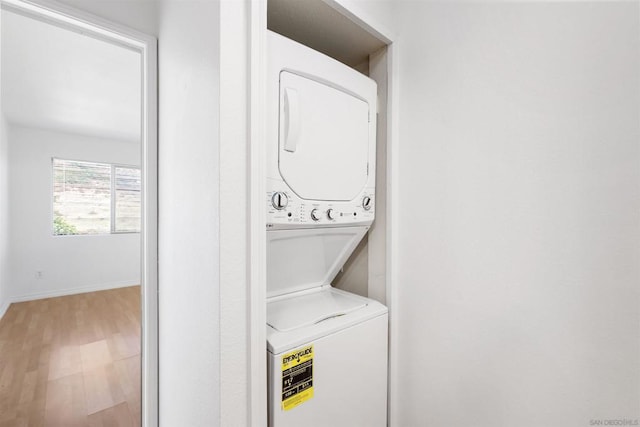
(297, 356)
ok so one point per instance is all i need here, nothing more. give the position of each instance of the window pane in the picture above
(127, 195)
(81, 197)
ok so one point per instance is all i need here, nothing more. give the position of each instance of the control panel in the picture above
(286, 210)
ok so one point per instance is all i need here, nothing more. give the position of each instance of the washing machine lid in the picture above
(306, 309)
(290, 318)
(323, 139)
(307, 258)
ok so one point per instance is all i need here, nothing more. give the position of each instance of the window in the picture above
(95, 198)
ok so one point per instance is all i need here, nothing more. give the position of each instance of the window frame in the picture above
(112, 199)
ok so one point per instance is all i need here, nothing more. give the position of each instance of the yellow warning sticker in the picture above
(297, 377)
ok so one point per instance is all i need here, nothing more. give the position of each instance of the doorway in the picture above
(78, 224)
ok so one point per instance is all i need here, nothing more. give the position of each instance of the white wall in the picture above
(188, 178)
(519, 201)
(69, 264)
(237, 384)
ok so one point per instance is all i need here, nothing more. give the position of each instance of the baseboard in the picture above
(73, 291)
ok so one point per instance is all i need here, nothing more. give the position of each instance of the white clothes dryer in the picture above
(321, 148)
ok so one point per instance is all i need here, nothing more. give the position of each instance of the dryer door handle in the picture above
(292, 119)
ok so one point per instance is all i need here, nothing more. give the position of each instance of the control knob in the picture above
(316, 215)
(366, 203)
(331, 214)
(279, 200)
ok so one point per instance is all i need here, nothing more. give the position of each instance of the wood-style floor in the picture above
(72, 361)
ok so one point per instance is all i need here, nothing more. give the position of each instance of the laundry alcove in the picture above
(341, 31)
(323, 27)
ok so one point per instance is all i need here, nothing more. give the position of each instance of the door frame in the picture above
(79, 21)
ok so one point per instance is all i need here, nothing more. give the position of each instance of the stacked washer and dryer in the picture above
(326, 348)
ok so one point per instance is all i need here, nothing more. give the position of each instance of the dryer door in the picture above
(323, 139)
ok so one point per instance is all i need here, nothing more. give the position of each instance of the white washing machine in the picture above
(326, 348)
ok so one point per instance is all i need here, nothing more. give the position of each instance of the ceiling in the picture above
(58, 79)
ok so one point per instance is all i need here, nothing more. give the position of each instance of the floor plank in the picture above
(65, 404)
(119, 415)
(102, 388)
(95, 355)
(64, 361)
(72, 361)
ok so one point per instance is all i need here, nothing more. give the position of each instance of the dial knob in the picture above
(331, 214)
(316, 215)
(366, 203)
(279, 200)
